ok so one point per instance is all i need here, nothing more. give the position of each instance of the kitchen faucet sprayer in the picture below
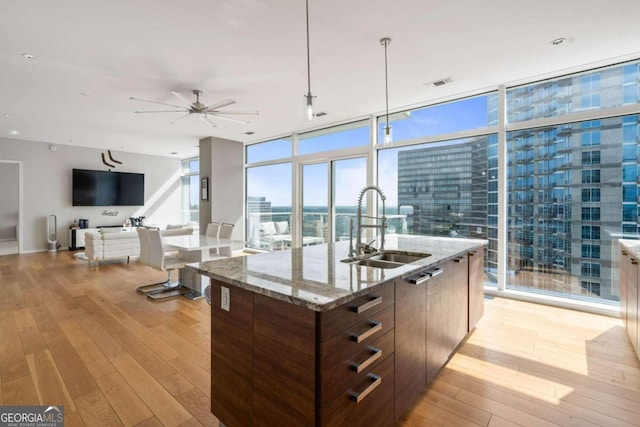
(361, 248)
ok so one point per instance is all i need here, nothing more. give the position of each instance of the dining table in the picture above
(197, 248)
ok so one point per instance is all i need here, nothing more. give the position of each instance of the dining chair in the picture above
(143, 235)
(159, 261)
(226, 230)
(212, 229)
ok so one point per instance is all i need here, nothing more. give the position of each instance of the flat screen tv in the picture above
(102, 188)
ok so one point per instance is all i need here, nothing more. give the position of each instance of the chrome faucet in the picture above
(363, 248)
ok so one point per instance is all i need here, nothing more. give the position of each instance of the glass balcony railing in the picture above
(272, 230)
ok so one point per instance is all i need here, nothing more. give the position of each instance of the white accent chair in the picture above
(159, 261)
(108, 244)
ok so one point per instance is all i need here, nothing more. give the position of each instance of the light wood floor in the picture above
(81, 337)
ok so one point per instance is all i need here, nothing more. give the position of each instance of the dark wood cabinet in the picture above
(356, 361)
(284, 354)
(446, 313)
(232, 355)
(624, 286)
(368, 402)
(361, 363)
(432, 318)
(411, 346)
(476, 287)
(630, 298)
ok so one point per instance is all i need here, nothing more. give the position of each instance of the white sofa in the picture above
(110, 244)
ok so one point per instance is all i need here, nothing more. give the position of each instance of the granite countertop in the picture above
(632, 246)
(315, 278)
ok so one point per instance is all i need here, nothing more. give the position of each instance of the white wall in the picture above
(47, 177)
(8, 200)
(224, 166)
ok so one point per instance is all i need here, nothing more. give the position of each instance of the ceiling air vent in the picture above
(442, 82)
(320, 114)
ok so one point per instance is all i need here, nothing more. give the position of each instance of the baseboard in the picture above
(32, 251)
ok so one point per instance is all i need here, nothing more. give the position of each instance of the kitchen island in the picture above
(301, 338)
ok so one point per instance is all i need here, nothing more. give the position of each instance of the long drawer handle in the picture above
(359, 397)
(375, 355)
(375, 327)
(419, 280)
(472, 253)
(459, 259)
(633, 261)
(367, 305)
(436, 271)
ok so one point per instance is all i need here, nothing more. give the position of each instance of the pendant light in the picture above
(387, 129)
(308, 111)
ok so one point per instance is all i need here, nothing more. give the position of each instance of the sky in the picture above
(274, 181)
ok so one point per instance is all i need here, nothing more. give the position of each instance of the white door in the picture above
(329, 197)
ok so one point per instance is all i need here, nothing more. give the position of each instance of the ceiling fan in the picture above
(205, 112)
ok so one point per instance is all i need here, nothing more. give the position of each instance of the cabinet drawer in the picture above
(340, 318)
(353, 340)
(356, 366)
(369, 401)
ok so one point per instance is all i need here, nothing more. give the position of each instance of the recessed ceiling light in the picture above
(7, 115)
(174, 152)
(28, 56)
(558, 41)
(14, 132)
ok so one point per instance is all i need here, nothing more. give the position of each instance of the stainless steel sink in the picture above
(387, 259)
(397, 256)
(368, 262)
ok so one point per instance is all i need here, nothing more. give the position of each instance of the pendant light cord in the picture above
(386, 80)
(385, 41)
(308, 56)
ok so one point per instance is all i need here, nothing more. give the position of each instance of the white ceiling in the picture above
(91, 56)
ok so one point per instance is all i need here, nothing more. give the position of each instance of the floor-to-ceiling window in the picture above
(573, 187)
(190, 182)
(328, 172)
(445, 186)
(570, 176)
(268, 212)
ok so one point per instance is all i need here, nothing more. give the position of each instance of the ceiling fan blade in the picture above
(220, 104)
(253, 113)
(180, 97)
(229, 119)
(180, 118)
(206, 119)
(154, 102)
(184, 110)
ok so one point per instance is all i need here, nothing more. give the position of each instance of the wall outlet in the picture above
(224, 298)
